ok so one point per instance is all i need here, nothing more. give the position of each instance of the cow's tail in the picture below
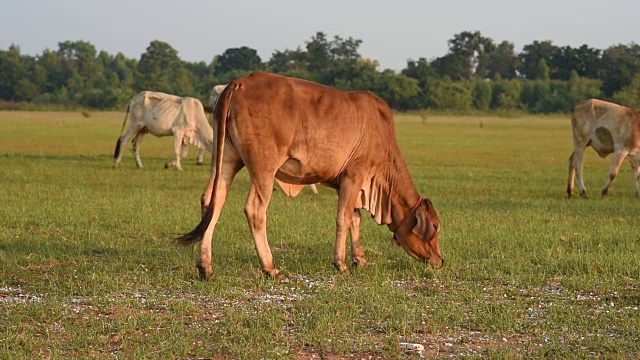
(220, 113)
(116, 152)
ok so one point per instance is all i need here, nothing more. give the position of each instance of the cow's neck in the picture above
(404, 197)
(391, 196)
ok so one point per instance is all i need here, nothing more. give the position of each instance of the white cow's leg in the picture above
(314, 189)
(256, 211)
(231, 165)
(136, 148)
(200, 157)
(357, 251)
(185, 148)
(635, 170)
(347, 196)
(572, 174)
(575, 165)
(122, 142)
(177, 147)
(618, 158)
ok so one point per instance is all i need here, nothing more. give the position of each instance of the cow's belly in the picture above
(293, 171)
(157, 129)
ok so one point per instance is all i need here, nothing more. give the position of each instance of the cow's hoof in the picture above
(166, 166)
(359, 262)
(340, 266)
(205, 272)
(583, 193)
(272, 274)
(605, 192)
(199, 163)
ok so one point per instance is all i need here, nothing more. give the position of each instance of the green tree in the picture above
(503, 61)
(160, 69)
(630, 94)
(620, 64)
(11, 71)
(422, 71)
(447, 94)
(482, 95)
(542, 72)
(532, 54)
(290, 63)
(468, 56)
(238, 59)
(332, 62)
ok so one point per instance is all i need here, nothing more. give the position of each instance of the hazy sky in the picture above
(392, 31)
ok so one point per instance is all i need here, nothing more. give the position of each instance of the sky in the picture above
(392, 31)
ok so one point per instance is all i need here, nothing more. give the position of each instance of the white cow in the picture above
(608, 128)
(162, 114)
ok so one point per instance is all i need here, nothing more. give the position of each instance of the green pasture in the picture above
(88, 267)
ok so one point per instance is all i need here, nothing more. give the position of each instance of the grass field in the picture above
(88, 267)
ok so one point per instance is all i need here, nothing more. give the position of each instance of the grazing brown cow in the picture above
(301, 133)
(608, 128)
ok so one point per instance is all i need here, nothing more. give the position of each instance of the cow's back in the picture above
(605, 125)
(323, 128)
(155, 111)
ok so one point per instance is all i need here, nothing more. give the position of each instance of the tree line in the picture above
(475, 74)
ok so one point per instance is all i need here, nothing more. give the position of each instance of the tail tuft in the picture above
(195, 235)
(116, 152)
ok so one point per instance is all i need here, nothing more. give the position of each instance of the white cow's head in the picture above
(215, 92)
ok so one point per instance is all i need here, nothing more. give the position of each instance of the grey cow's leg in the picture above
(123, 140)
(635, 171)
(136, 148)
(575, 167)
(618, 158)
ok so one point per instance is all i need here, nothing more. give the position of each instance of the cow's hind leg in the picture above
(572, 174)
(635, 170)
(618, 158)
(231, 164)
(256, 211)
(122, 142)
(357, 251)
(136, 148)
(575, 168)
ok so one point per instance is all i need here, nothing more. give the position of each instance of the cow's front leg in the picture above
(357, 251)
(200, 157)
(347, 196)
(256, 211)
(618, 158)
(178, 141)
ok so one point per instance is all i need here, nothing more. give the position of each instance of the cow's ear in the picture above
(424, 227)
(422, 224)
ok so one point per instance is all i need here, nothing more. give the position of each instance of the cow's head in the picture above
(418, 234)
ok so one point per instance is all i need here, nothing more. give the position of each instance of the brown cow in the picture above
(608, 128)
(301, 133)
